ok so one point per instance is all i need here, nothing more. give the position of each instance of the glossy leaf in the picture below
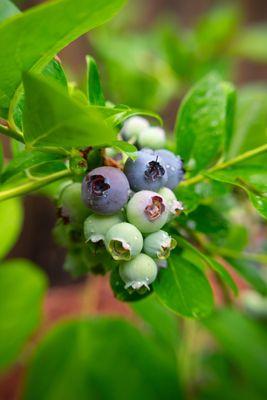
(52, 118)
(204, 123)
(250, 120)
(184, 289)
(26, 160)
(11, 217)
(22, 288)
(250, 177)
(94, 89)
(50, 28)
(86, 354)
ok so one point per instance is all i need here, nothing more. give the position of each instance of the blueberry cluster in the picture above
(128, 208)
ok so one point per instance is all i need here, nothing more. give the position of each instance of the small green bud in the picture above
(124, 241)
(174, 206)
(138, 273)
(78, 165)
(159, 245)
(96, 226)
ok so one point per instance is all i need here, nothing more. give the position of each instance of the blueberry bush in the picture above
(171, 217)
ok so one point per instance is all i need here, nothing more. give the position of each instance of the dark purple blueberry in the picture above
(105, 190)
(174, 167)
(146, 172)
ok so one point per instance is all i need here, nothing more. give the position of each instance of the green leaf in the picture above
(183, 288)
(26, 160)
(52, 118)
(22, 288)
(162, 323)
(244, 342)
(212, 263)
(101, 358)
(1, 157)
(250, 177)
(250, 120)
(7, 10)
(34, 178)
(204, 123)
(251, 273)
(94, 89)
(251, 43)
(11, 217)
(50, 27)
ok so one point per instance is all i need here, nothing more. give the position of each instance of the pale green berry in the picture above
(147, 211)
(72, 206)
(96, 226)
(175, 207)
(132, 128)
(159, 245)
(124, 241)
(138, 273)
(153, 137)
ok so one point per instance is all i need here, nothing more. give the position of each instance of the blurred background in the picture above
(158, 49)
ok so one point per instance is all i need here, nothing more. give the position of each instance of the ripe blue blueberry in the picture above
(132, 128)
(174, 167)
(138, 273)
(124, 241)
(96, 226)
(146, 172)
(105, 190)
(159, 245)
(153, 137)
(174, 206)
(72, 208)
(147, 211)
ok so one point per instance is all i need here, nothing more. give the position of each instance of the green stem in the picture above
(245, 156)
(11, 134)
(33, 185)
(257, 257)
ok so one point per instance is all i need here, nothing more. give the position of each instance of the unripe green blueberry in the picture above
(124, 241)
(72, 206)
(159, 245)
(96, 226)
(174, 206)
(138, 273)
(132, 128)
(147, 211)
(78, 165)
(153, 137)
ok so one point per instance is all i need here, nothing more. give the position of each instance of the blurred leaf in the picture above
(204, 123)
(103, 359)
(250, 120)
(25, 160)
(237, 238)
(50, 29)
(22, 288)
(95, 93)
(11, 217)
(251, 43)
(156, 318)
(52, 118)
(189, 198)
(223, 22)
(183, 288)
(7, 10)
(244, 342)
(251, 273)
(1, 157)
